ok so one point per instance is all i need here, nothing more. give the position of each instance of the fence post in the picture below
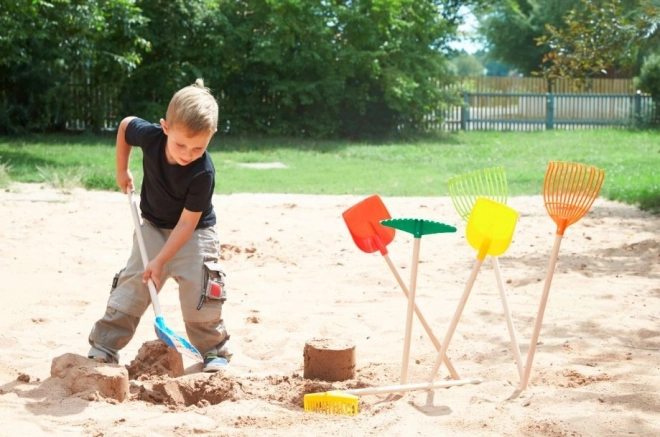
(638, 108)
(549, 111)
(465, 111)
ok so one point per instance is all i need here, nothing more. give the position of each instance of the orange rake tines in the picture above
(569, 190)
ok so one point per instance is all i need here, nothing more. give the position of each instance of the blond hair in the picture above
(194, 109)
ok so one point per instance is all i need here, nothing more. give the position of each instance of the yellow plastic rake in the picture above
(345, 402)
(489, 230)
(465, 189)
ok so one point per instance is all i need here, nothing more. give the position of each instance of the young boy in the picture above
(178, 228)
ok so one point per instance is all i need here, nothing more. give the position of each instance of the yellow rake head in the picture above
(466, 188)
(331, 402)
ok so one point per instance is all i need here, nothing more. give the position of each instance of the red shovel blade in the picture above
(363, 221)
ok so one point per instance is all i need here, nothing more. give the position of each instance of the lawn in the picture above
(630, 159)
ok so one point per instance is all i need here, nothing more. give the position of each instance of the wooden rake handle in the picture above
(420, 316)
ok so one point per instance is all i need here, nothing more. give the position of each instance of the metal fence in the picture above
(489, 103)
(543, 111)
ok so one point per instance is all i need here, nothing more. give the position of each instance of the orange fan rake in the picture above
(569, 190)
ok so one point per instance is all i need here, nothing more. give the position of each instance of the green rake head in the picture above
(466, 188)
(418, 227)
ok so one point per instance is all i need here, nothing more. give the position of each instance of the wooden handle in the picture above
(457, 317)
(539, 316)
(411, 387)
(507, 315)
(422, 320)
(409, 313)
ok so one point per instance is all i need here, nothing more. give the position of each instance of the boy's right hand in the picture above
(125, 181)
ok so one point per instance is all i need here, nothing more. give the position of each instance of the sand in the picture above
(295, 274)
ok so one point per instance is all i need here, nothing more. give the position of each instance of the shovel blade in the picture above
(363, 222)
(173, 340)
(490, 227)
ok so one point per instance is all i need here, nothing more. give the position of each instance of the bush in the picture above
(648, 80)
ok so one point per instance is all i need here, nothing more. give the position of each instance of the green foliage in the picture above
(594, 39)
(466, 65)
(354, 69)
(648, 80)
(571, 30)
(182, 48)
(512, 26)
(50, 51)
(328, 69)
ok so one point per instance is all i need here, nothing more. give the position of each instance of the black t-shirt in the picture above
(169, 188)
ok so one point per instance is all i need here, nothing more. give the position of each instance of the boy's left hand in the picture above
(153, 271)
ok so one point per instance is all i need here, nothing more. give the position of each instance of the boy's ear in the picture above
(163, 123)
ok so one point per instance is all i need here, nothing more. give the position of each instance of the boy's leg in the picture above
(127, 303)
(204, 324)
(110, 334)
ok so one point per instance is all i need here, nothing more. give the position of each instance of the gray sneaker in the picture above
(214, 363)
(101, 356)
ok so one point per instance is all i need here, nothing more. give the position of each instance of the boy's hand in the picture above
(125, 181)
(153, 271)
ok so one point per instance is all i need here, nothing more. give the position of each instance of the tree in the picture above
(465, 65)
(511, 27)
(595, 40)
(345, 68)
(45, 47)
(349, 68)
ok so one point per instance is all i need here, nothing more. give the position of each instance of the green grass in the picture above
(631, 160)
(5, 179)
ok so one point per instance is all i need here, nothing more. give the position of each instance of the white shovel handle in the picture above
(143, 252)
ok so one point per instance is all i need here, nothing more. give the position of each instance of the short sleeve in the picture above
(141, 133)
(200, 192)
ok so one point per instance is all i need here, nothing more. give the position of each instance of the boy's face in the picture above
(183, 148)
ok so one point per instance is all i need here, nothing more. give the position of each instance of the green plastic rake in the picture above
(418, 228)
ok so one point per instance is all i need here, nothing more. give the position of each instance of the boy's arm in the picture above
(180, 234)
(124, 177)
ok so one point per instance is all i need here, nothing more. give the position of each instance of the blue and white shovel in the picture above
(170, 338)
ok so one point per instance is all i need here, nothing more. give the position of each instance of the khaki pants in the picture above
(130, 299)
